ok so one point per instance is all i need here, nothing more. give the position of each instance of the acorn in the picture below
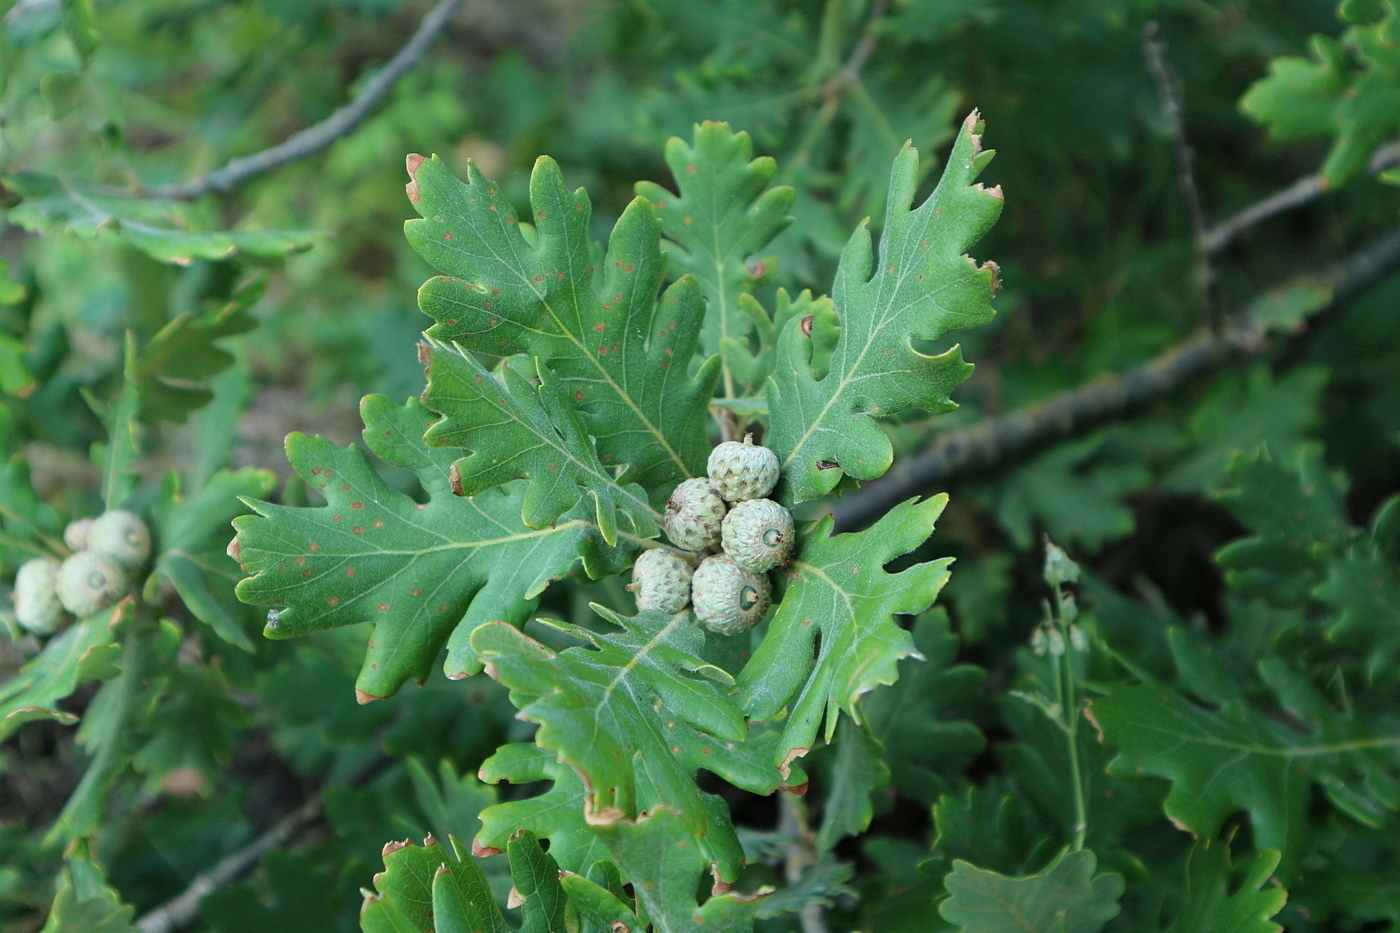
(661, 581)
(122, 537)
(37, 608)
(757, 534)
(75, 535)
(89, 582)
(693, 515)
(728, 599)
(743, 471)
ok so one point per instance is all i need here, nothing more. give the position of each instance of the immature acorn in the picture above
(728, 599)
(89, 582)
(75, 535)
(757, 534)
(122, 537)
(36, 596)
(693, 515)
(743, 471)
(661, 580)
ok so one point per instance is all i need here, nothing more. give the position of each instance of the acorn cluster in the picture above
(729, 590)
(107, 551)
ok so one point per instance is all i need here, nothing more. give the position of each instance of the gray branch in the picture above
(315, 138)
(977, 450)
(1295, 195)
(182, 910)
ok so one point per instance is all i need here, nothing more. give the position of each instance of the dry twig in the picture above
(315, 138)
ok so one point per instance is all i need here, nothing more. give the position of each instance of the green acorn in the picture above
(122, 537)
(728, 599)
(693, 515)
(661, 580)
(75, 535)
(743, 471)
(757, 534)
(89, 582)
(37, 608)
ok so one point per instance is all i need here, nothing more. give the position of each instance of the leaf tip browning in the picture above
(364, 698)
(413, 161)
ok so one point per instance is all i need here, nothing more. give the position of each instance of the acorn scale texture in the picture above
(728, 599)
(37, 608)
(742, 471)
(694, 514)
(122, 537)
(757, 534)
(661, 581)
(88, 583)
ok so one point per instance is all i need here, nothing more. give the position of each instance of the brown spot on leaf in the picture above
(333, 601)
(413, 161)
(355, 505)
(447, 235)
(349, 572)
(828, 465)
(807, 325)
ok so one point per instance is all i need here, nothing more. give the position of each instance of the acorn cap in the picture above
(742, 471)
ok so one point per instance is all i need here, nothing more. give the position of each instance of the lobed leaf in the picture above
(923, 286)
(1234, 757)
(633, 719)
(1211, 907)
(1065, 897)
(724, 214)
(165, 230)
(425, 573)
(836, 586)
(620, 351)
(522, 427)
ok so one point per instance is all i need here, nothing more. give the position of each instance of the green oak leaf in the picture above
(636, 714)
(1233, 757)
(86, 650)
(1211, 907)
(917, 720)
(166, 230)
(724, 215)
(425, 573)
(660, 848)
(1348, 90)
(556, 815)
(922, 286)
(520, 426)
(836, 585)
(618, 349)
(192, 531)
(1065, 898)
(69, 914)
(1298, 519)
(431, 886)
(435, 887)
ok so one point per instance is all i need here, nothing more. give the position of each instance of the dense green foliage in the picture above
(1182, 715)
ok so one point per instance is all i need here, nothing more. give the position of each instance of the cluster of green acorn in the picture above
(107, 551)
(729, 590)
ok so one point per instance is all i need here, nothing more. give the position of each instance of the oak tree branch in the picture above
(978, 449)
(315, 138)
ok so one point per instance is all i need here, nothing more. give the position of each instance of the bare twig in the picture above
(315, 138)
(798, 853)
(1297, 194)
(182, 910)
(1156, 51)
(976, 450)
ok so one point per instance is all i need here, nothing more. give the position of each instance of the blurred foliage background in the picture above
(273, 306)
